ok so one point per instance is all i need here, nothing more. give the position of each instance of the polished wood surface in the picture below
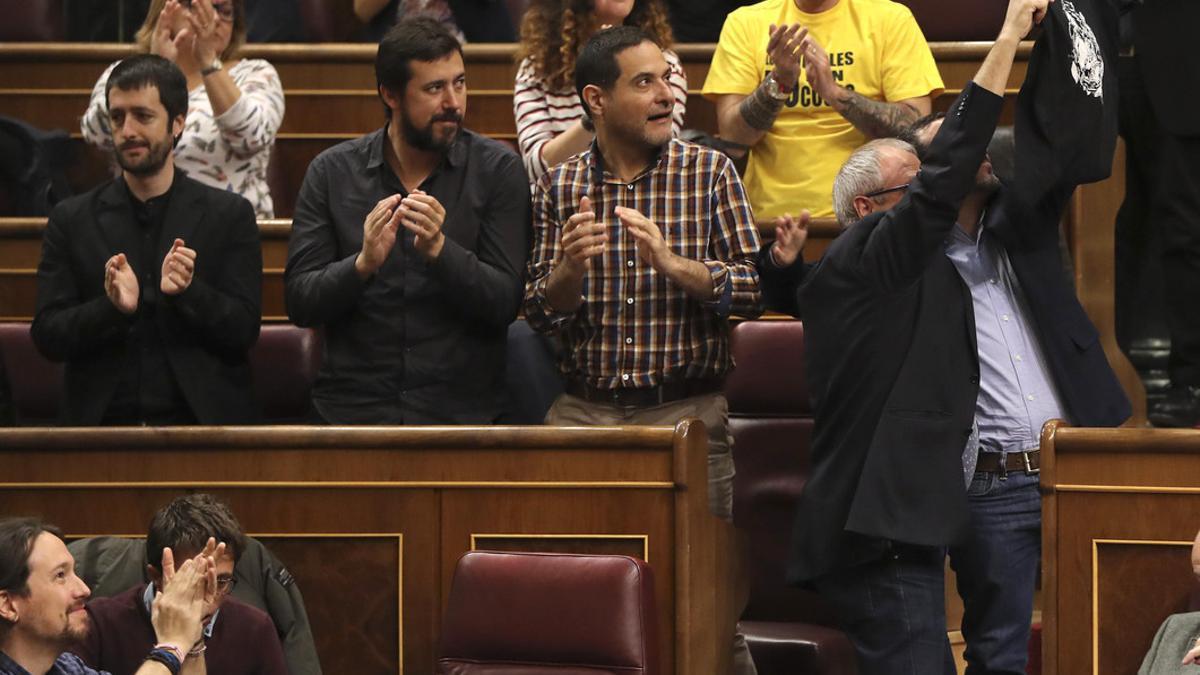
(330, 94)
(371, 521)
(1120, 510)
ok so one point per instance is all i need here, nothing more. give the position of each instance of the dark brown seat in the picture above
(550, 614)
(328, 21)
(36, 381)
(789, 630)
(952, 21)
(285, 361)
(32, 21)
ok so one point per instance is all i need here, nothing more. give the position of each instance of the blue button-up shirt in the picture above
(65, 664)
(1016, 392)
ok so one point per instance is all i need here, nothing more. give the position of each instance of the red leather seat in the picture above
(285, 361)
(32, 21)
(789, 630)
(955, 21)
(36, 381)
(550, 614)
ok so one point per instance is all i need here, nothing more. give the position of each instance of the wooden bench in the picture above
(330, 94)
(371, 521)
(1120, 510)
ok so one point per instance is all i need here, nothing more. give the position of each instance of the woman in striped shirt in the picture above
(550, 122)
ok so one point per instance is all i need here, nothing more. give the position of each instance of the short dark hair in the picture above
(186, 524)
(597, 61)
(912, 134)
(17, 536)
(420, 38)
(145, 70)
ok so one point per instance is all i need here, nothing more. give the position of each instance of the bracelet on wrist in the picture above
(173, 648)
(167, 659)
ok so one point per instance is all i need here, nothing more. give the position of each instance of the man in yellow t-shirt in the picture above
(868, 73)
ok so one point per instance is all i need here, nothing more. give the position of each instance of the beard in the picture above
(425, 138)
(152, 163)
(640, 132)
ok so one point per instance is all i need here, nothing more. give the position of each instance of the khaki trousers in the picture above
(713, 410)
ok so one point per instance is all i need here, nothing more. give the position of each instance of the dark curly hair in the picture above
(553, 32)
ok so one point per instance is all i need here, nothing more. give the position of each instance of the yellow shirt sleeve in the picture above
(909, 70)
(735, 68)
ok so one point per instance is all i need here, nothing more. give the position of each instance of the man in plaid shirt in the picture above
(643, 247)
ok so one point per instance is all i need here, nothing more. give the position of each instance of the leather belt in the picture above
(1026, 460)
(644, 397)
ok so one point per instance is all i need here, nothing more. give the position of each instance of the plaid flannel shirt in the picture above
(635, 328)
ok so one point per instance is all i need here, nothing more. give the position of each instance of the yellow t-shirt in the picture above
(874, 47)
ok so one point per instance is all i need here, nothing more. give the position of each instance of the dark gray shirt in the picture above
(65, 664)
(418, 342)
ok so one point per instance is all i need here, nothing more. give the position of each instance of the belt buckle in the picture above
(1029, 469)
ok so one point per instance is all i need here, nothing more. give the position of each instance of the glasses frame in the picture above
(884, 191)
(225, 585)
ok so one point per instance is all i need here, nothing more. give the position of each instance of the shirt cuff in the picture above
(541, 303)
(722, 298)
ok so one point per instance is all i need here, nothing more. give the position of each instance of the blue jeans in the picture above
(893, 608)
(997, 569)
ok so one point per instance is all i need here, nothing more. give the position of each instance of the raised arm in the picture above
(745, 118)
(897, 250)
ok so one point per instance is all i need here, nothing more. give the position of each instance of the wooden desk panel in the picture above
(1120, 510)
(371, 521)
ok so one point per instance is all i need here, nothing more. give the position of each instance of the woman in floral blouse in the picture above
(235, 106)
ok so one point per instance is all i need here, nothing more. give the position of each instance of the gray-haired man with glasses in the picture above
(940, 334)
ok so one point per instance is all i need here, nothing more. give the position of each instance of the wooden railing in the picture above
(370, 521)
(1120, 510)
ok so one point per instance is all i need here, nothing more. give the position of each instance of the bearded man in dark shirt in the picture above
(408, 247)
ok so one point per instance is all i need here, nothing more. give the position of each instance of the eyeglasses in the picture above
(225, 584)
(224, 10)
(884, 191)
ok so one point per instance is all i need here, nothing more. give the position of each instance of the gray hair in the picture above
(860, 175)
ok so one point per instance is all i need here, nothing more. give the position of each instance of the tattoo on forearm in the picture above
(877, 119)
(760, 109)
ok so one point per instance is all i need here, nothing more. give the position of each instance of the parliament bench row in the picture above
(330, 97)
(325, 21)
(789, 629)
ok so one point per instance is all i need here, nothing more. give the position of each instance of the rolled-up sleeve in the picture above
(735, 243)
(540, 315)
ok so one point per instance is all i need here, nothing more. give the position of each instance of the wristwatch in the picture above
(773, 89)
(212, 67)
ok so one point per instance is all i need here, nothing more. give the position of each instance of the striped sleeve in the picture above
(678, 82)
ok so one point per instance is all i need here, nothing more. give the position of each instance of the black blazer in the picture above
(1163, 32)
(892, 360)
(208, 329)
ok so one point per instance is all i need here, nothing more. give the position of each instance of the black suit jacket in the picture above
(1163, 31)
(892, 360)
(208, 329)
